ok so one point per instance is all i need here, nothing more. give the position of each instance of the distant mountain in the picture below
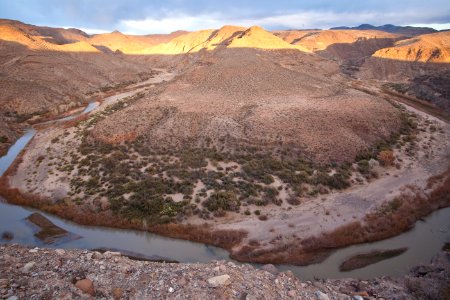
(165, 38)
(404, 30)
(227, 36)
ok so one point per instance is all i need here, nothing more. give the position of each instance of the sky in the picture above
(146, 16)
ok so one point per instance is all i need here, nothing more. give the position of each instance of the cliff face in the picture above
(81, 274)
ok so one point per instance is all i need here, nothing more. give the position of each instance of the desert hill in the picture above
(165, 38)
(16, 34)
(41, 77)
(227, 36)
(52, 69)
(434, 47)
(116, 40)
(53, 35)
(317, 40)
(51, 38)
(276, 100)
(407, 59)
(418, 67)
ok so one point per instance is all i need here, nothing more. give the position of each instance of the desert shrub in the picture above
(257, 212)
(336, 181)
(219, 213)
(263, 218)
(3, 139)
(391, 206)
(224, 200)
(363, 166)
(386, 157)
(260, 201)
(293, 200)
(255, 169)
(193, 159)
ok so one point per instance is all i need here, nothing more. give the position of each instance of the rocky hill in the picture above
(269, 100)
(427, 48)
(117, 41)
(317, 40)
(40, 77)
(227, 36)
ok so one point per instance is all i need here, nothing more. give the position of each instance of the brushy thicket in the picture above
(139, 180)
(391, 219)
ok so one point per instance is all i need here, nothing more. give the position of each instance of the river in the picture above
(423, 241)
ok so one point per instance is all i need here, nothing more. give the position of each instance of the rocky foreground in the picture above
(76, 274)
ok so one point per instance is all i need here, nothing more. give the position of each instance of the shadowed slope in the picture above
(14, 34)
(434, 47)
(227, 36)
(127, 44)
(53, 35)
(316, 40)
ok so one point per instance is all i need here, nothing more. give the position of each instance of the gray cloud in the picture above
(142, 16)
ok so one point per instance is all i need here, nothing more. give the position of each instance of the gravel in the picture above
(82, 274)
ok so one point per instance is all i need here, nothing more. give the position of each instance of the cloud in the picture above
(297, 20)
(92, 30)
(170, 24)
(436, 26)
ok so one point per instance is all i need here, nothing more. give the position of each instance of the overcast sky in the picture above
(143, 16)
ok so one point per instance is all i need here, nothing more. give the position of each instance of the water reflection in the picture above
(14, 150)
(12, 219)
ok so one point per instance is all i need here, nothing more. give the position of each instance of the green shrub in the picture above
(363, 166)
(224, 200)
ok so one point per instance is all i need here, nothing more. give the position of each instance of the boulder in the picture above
(28, 266)
(219, 281)
(86, 286)
(322, 296)
(270, 268)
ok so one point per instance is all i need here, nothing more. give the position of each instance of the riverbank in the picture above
(80, 274)
(381, 202)
(290, 234)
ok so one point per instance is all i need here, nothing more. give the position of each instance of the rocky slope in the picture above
(117, 41)
(228, 36)
(271, 100)
(427, 48)
(77, 274)
(417, 67)
(317, 40)
(40, 77)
